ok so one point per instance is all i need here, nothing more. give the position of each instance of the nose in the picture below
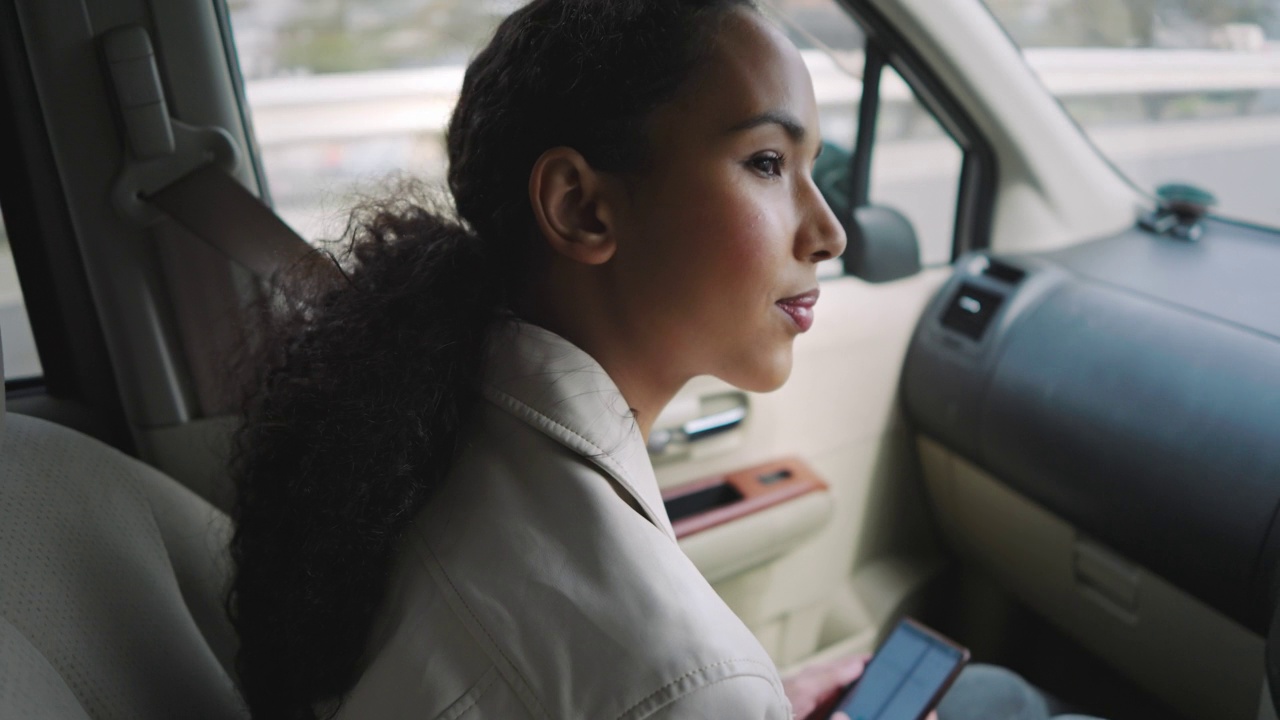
(821, 236)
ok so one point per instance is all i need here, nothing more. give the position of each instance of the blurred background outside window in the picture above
(20, 359)
(344, 92)
(1169, 90)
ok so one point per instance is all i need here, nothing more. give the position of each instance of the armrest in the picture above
(729, 523)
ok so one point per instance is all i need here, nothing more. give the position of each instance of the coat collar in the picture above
(558, 388)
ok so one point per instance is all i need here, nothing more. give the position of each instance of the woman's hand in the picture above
(814, 688)
(842, 716)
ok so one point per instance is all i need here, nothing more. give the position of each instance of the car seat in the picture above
(111, 584)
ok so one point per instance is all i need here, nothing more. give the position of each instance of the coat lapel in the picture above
(558, 388)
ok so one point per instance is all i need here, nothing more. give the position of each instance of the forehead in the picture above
(750, 68)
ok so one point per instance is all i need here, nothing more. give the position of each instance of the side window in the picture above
(1179, 93)
(20, 358)
(831, 44)
(345, 92)
(914, 166)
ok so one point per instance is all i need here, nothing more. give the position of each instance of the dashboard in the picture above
(1130, 388)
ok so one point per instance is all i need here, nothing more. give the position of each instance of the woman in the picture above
(445, 505)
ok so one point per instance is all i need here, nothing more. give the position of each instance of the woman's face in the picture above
(719, 240)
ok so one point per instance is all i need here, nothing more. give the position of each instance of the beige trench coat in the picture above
(544, 581)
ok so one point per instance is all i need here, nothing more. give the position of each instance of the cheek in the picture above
(748, 247)
(739, 227)
(719, 247)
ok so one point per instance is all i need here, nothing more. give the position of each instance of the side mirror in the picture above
(882, 243)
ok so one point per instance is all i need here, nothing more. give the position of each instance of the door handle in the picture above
(713, 424)
(665, 440)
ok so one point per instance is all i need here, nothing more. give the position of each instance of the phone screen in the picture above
(906, 677)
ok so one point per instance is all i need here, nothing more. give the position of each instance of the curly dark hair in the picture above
(366, 376)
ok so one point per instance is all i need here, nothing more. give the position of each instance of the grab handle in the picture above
(663, 440)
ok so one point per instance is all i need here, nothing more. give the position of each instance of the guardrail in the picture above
(415, 102)
(316, 130)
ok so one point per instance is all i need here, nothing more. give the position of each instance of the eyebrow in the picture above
(786, 120)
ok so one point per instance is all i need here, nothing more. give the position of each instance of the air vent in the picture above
(970, 311)
(1004, 272)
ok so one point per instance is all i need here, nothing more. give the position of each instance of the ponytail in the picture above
(369, 374)
(344, 439)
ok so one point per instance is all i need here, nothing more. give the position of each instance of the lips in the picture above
(800, 308)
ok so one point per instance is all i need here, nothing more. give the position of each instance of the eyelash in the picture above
(775, 162)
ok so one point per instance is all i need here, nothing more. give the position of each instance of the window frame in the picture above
(77, 370)
(976, 190)
(253, 152)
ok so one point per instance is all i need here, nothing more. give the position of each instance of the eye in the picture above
(769, 164)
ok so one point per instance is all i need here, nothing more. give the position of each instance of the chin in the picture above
(767, 375)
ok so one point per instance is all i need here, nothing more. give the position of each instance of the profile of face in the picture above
(706, 262)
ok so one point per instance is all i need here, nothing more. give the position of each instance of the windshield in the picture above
(1171, 91)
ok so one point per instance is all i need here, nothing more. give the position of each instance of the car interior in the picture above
(1038, 412)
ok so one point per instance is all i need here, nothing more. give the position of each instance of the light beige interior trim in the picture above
(1166, 641)
(757, 538)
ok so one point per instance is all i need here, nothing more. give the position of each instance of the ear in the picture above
(571, 204)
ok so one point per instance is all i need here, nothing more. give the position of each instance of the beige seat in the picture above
(111, 584)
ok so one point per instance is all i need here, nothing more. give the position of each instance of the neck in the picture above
(645, 394)
(640, 379)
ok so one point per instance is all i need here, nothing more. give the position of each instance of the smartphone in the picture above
(906, 678)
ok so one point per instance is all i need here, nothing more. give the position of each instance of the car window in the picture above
(344, 93)
(915, 168)
(831, 44)
(915, 165)
(1181, 91)
(20, 358)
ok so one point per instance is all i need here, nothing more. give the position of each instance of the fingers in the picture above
(819, 685)
(846, 670)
